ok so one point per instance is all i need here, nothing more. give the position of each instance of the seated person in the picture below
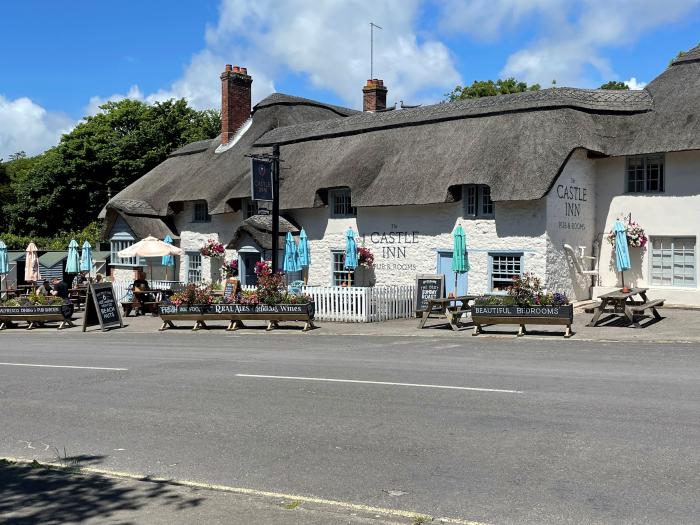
(60, 288)
(99, 278)
(140, 285)
(44, 289)
(79, 280)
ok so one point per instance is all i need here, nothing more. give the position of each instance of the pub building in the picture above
(536, 180)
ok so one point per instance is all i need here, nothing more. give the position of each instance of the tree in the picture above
(489, 88)
(65, 188)
(615, 85)
(18, 155)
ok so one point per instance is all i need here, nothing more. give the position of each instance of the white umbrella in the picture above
(150, 247)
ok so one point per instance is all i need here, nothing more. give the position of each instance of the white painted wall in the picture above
(571, 220)
(673, 213)
(405, 240)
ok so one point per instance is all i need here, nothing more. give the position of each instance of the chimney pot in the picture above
(235, 100)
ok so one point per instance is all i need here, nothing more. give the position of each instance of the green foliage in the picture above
(90, 233)
(65, 188)
(489, 88)
(615, 85)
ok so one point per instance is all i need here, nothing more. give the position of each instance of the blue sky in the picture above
(60, 60)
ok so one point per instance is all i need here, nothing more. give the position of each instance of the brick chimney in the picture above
(235, 100)
(374, 95)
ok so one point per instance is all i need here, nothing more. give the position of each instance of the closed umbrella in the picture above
(73, 260)
(304, 253)
(86, 258)
(31, 264)
(291, 255)
(622, 253)
(460, 263)
(167, 260)
(4, 262)
(350, 252)
(150, 247)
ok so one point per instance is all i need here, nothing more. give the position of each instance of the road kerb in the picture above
(399, 513)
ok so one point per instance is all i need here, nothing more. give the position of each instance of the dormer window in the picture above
(340, 203)
(201, 212)
(476, 201)
(250, 208)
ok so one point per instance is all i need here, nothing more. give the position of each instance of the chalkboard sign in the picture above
(261, 180)
(101, 307)
(428, 287)
(231, 288)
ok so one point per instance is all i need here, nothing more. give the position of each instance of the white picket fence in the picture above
(335, 303)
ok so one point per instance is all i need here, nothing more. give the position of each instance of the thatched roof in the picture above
(259, 227)
(517, 144)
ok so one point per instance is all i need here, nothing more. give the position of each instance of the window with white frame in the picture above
(673, 261)
(117, 245)
(341, 205)
(201, 212)
(504, 266)
(341, 276)
(645, 174)
(194, 267)
(476, 201)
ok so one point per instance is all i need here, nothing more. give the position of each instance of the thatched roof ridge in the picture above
(593, 100)
(690, 56)
(198, 172)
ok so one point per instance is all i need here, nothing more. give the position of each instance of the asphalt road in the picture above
(537, 431)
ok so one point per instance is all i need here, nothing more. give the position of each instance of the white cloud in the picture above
(27, 126)
(633, 83)
(95, 102)
(572, 35)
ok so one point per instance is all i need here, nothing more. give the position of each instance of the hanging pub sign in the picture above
(261, 180)
(101, 307)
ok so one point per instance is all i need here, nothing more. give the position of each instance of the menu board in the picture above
(231, 288)
(101, 307)
(428, 287)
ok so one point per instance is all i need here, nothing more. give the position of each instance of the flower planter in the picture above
(522, 315)
(9, 315)
(236, 314)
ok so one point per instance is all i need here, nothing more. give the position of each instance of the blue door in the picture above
(444, 266)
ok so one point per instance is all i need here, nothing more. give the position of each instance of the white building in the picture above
(524, 174)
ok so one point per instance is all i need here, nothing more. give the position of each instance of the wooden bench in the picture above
(638, 309)
(127, 307)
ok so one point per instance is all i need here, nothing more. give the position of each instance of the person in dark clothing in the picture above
(60, 288)
(140, 285)
(44, 289)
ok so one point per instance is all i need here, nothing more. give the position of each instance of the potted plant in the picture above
(364, 273)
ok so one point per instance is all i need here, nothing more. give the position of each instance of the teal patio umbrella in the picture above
(73, 260)
(167, 260)
(350, 252)
(4, 262)
(460, 263)
(304, 252)
(622, 253)
(86, 258)
(291, 255)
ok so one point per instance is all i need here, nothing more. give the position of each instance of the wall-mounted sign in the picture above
(261, 180)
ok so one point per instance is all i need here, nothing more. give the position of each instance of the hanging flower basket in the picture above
(365, 257)
(636, 236)
(213, 249)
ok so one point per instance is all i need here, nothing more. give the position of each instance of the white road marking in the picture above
(445, 387)
(65, 366)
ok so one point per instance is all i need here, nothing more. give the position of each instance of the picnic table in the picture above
(447, 307)
(78, 295)
(624, 303)
(144, 301)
